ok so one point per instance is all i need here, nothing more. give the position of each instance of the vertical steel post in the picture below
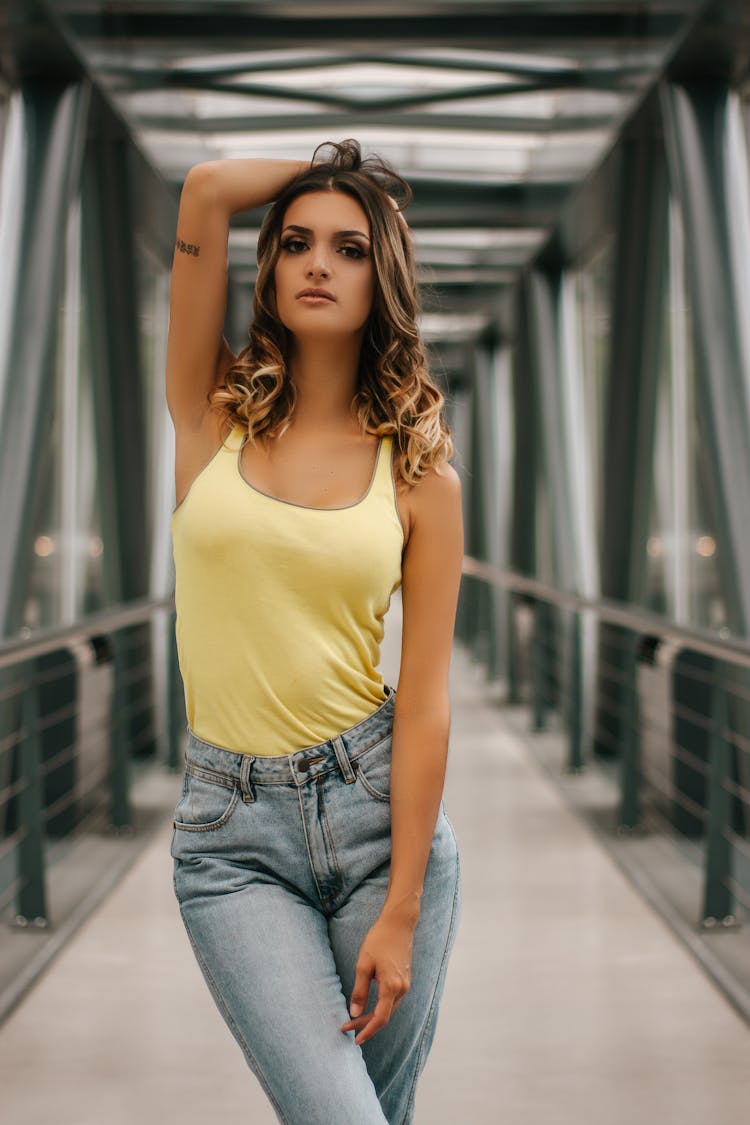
(635, 364)
(513, 651)
(575, 697)
(630, 813)
(718, 900)
(121, 811)
(31, 900)
(538, 710)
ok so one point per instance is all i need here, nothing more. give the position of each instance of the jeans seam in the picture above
(369, 788)
(321, 896)
(363, 750)
(213, 825)
(213, 777)
(440, 976)
(334, 857)
(233, 1025)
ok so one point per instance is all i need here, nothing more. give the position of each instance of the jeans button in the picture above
(308, 763)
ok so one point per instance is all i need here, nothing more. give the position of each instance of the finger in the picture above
(361, 989)
(363, 1020)
(355, 1024)
(398, 210)
(378, 1019)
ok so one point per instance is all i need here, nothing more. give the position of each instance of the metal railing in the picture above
(77, 712)
(677, 737)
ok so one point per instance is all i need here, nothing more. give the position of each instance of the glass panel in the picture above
(152, 278)
(662, 541)
(90, 594)
(44, 591)
(66, 573)
(12, 145)
(707, 604)
(545, 556)
(683, 578)
(594, 304)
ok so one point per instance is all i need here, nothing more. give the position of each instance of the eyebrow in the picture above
(339, 233)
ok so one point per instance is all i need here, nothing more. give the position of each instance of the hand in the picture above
(385, 952)
(400, 213)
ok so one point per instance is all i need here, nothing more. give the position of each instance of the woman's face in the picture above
(325, 245)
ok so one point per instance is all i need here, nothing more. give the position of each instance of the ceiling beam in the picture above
(449, 204)
(196, 80)
(463, 122)
(240, 30)
(259, 63)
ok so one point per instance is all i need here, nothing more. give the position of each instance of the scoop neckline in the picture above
(307, 507)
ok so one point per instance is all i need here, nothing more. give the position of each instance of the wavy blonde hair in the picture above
(395, 393)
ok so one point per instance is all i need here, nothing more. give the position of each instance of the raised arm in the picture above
(196, 350)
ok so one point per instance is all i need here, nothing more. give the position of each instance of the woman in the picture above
(314, 863)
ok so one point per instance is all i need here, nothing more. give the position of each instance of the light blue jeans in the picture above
(280, 868)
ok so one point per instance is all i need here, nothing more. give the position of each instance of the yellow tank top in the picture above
(280, 606)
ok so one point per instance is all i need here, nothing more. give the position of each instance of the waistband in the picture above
(298, 768)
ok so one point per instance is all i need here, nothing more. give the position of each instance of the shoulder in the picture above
(433, 506)
(439, 487)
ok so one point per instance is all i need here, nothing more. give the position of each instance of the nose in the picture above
(317, 266)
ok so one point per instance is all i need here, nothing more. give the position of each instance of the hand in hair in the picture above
(399, 212)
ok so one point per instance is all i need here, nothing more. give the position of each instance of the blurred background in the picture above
(581, 219)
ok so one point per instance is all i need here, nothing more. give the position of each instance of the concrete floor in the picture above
(568, 1000)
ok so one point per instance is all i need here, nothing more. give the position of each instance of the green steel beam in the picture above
(356, 115)
(546, 366)
(639, 291)
(119, 409)
(394, 103)
(465, 202)
(604, 77)
(507, 29)
(708, 159)
(526, 452)
(55, 121)
(710, 168)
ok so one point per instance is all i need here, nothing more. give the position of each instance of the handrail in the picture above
(731, 649)
(728, 648)
(31, 643)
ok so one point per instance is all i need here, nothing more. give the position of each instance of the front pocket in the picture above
(373, 769)
(204, 804)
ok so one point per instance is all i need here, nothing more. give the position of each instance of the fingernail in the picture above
(355, 1009)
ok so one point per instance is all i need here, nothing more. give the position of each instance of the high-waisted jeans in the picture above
(281, 867)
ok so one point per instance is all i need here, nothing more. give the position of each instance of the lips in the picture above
(316, 293)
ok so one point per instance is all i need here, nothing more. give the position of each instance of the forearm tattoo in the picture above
(188, 247)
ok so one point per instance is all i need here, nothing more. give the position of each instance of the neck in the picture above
(324, 372)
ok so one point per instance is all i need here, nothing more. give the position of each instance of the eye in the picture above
(290, 242)
(356, 251)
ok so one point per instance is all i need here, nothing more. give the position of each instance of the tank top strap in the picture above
(383, 480)
(233, 441)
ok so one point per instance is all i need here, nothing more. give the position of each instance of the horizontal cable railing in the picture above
(81, 706)
(664, 708)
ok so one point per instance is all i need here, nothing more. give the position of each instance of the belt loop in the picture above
(247, 791)
(343, 759)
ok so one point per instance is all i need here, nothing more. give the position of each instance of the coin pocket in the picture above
(373, 769)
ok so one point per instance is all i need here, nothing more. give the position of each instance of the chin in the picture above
(308, 329)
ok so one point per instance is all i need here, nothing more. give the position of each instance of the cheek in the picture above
(365, 289)
(278, 277)
(282, 285)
